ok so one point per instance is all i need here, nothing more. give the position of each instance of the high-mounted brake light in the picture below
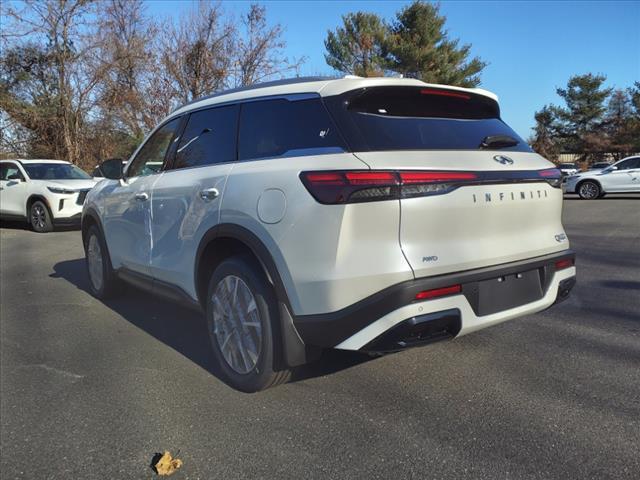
(445, 93)
(438, 292)
(564, 263)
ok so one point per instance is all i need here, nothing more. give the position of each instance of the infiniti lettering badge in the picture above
(503, 159)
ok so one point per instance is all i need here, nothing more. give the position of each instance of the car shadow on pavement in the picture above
(17, 225)
(184, 329)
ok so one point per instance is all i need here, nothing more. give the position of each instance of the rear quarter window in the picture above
(285, 128)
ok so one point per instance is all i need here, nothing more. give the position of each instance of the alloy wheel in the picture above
(589, 190)
(38, 216)
(236, 324)
(94, 262)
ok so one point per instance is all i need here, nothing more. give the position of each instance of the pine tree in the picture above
(357, 47)
(419, 47)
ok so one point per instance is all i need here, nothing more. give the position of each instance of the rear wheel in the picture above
(40, 217)
(102, 280)
(589, 190)
(242, 316)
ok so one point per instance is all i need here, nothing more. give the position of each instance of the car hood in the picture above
(69, 184)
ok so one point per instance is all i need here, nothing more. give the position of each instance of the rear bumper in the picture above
(362, 325)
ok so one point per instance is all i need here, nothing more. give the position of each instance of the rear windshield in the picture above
(417, 118)
(54, 171)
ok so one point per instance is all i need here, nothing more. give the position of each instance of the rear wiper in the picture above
(498, 141)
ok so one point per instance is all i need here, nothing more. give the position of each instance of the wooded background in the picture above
(85, 80)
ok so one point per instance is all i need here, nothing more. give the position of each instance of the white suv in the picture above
(43, 192)
(361, 214)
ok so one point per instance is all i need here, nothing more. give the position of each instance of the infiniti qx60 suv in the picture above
(361, 214)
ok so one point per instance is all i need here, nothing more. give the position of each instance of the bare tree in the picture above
(198, 51)
(260, 50)
(57, 26)
(126, 37)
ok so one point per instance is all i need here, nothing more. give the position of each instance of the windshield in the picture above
(55, 171)
(567, 165)
(420, 118)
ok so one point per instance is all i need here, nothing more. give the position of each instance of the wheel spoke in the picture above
(236, 324)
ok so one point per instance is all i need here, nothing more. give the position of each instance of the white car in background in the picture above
(621, 177)
(43, 192)
(568, 169)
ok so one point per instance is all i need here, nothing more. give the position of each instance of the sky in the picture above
(532, 47)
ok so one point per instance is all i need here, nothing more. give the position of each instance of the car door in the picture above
(620, 179)
(13, 190)
(127, 205)
(634, 175)
(186, 199)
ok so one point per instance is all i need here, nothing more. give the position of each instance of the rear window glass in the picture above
(284, 128)
(416, 118)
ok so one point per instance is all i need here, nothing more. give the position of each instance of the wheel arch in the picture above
(225, 240)
(590, 179)
(34, 197)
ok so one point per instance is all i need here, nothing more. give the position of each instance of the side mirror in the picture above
(15, 176)
(112, 168)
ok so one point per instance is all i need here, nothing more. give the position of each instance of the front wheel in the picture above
(40, 217)
(242, 317)
(589, 190)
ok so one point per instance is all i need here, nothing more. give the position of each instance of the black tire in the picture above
(40, 217)
(264, 374)
(109, 285)
(589, 190)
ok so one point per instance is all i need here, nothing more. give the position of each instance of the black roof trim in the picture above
(257, 86)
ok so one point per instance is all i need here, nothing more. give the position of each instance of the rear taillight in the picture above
(344, 186)
(564, 263)
(364, 186)
(438, 292)
(553, 176)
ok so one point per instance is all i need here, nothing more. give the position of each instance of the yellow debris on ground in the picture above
(167, 465)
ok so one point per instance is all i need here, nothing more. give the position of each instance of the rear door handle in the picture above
(142, 197)
(209, 194)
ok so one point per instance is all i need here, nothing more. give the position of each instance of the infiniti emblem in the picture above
(504, 160)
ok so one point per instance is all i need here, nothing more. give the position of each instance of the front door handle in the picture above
(142, 197)
(209, 194)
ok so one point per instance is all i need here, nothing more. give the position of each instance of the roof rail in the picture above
(257, 86)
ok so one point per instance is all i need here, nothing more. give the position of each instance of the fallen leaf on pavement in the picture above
(167, 465)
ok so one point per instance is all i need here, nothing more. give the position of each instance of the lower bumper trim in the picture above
(72, 220)
(418, 331)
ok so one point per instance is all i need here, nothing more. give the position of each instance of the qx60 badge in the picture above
(503, 159)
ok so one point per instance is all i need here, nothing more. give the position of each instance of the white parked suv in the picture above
(360, 214)
(43, 192)
(621, 177)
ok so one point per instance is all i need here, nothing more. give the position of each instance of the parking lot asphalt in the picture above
(93, 390)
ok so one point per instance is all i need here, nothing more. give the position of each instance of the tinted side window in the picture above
(150, 158)
(276, 128)
(629, 164)
(9, 170)
(210, 137)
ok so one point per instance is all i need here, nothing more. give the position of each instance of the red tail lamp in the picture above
(564, 263)
(438, 292)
